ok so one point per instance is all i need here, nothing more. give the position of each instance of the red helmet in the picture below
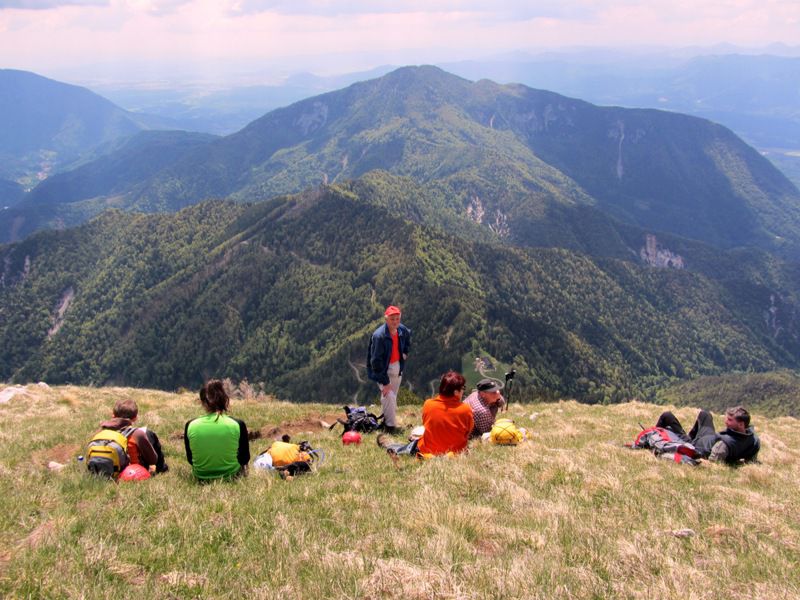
(134, 473)
(351, 437)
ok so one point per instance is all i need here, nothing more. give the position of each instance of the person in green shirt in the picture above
(217, 446)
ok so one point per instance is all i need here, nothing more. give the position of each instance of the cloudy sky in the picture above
(52, 36)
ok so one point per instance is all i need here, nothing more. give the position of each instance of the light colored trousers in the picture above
(389, 401)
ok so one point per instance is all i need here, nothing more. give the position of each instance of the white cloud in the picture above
(48, 4)
(499, 9)
(269, 32)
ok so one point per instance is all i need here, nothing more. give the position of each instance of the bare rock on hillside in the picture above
(7, 394)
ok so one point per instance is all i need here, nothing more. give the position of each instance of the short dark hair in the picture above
(451, 383)
(213, 396)
(126, 409)
(740, 414)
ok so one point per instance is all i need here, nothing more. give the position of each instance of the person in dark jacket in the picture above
(386, 358)
(735, 444)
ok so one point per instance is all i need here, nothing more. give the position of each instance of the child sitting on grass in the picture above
(144, 447)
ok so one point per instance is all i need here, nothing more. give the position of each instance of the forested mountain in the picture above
(74, 196)
(222, 109)
(47, 124)
(603, 252)
(286, 291)
(755, 95)
(502, 154)
(502, 147)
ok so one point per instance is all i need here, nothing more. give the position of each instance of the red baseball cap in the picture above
(391, 310)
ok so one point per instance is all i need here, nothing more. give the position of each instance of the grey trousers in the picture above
(389, 401)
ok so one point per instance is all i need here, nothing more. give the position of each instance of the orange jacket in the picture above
(448, 423)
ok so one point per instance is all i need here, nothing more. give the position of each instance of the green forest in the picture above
(284, 293)
(604, 253)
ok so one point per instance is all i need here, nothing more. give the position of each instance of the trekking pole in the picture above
(508, 385)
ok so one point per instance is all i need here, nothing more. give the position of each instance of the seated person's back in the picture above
(144, 447)
(448, 421)
(216, 444)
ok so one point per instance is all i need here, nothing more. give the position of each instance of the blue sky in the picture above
(333, 36)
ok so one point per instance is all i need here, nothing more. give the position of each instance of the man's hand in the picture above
(385, 389)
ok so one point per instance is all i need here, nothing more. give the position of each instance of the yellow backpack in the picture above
(505, 433)
(284, 453)
(107, 452)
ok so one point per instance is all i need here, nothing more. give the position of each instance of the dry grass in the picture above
(569, 515)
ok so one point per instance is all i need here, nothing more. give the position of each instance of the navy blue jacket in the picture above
(741, 446)
(380, 350)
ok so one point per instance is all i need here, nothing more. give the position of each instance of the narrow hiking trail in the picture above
(357, 374)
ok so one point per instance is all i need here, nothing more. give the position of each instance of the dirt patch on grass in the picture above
(63, 453)
(487, 548)
(309, 424)
(39, 535)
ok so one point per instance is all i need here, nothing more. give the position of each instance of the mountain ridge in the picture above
(514, 149)
(290, 288)
(48, 124)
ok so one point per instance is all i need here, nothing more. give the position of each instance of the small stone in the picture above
(54, 466)
(534, 416)
(684, 533)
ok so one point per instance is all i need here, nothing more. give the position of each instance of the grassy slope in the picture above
(571, 514)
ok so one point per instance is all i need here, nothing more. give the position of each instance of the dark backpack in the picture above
(663, 441)
(358, 419)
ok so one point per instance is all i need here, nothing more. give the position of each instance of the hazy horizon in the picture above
(263, 41)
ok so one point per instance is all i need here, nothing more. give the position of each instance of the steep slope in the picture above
(285, 292)
(502, 155)
(138, 157)
(503, 147)
(46, 123)
(10, 193)
(755, 95)
(74, 196)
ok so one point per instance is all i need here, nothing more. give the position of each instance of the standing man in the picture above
(485, 401)
(386, 358)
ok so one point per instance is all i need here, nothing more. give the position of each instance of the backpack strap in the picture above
(339, 422)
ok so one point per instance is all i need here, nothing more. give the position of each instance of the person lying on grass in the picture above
(735, 444)
(216, 444)
(447, 421)
(290, 459)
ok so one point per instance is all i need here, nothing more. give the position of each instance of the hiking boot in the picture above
(383, 441)
(393, 429)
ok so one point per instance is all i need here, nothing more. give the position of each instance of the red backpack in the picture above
(663, 441)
